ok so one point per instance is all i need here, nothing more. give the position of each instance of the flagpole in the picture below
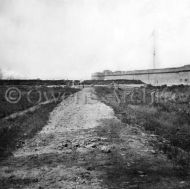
(154, 49)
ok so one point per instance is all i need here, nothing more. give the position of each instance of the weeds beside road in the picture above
(27, 96)
(168, 120)
(13, 132)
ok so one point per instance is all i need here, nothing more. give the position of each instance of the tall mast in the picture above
(154, 49)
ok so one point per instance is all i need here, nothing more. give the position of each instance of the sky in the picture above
(71, 39)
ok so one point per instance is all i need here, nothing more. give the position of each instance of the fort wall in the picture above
(167, 76)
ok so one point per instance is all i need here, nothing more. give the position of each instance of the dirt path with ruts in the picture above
(84, 146)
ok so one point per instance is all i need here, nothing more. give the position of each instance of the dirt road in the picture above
(84, 146)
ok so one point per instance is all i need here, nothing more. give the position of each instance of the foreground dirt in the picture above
(85, 145)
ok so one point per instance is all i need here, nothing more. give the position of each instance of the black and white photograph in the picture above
(94, 94)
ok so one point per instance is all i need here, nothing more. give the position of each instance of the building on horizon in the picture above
(165, 76)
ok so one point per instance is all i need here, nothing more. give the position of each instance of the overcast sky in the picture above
(74, 38)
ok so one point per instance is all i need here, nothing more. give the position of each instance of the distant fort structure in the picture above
(166, 76)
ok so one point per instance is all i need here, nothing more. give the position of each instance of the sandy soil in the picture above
(83, 146)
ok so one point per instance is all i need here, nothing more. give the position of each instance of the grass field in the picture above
(30, 96)
(168, 119)
(13, 132)
(108, 82)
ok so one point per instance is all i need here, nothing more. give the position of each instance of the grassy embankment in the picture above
(108, 82)
(30, 96)
(13, 132)
(168, 117)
